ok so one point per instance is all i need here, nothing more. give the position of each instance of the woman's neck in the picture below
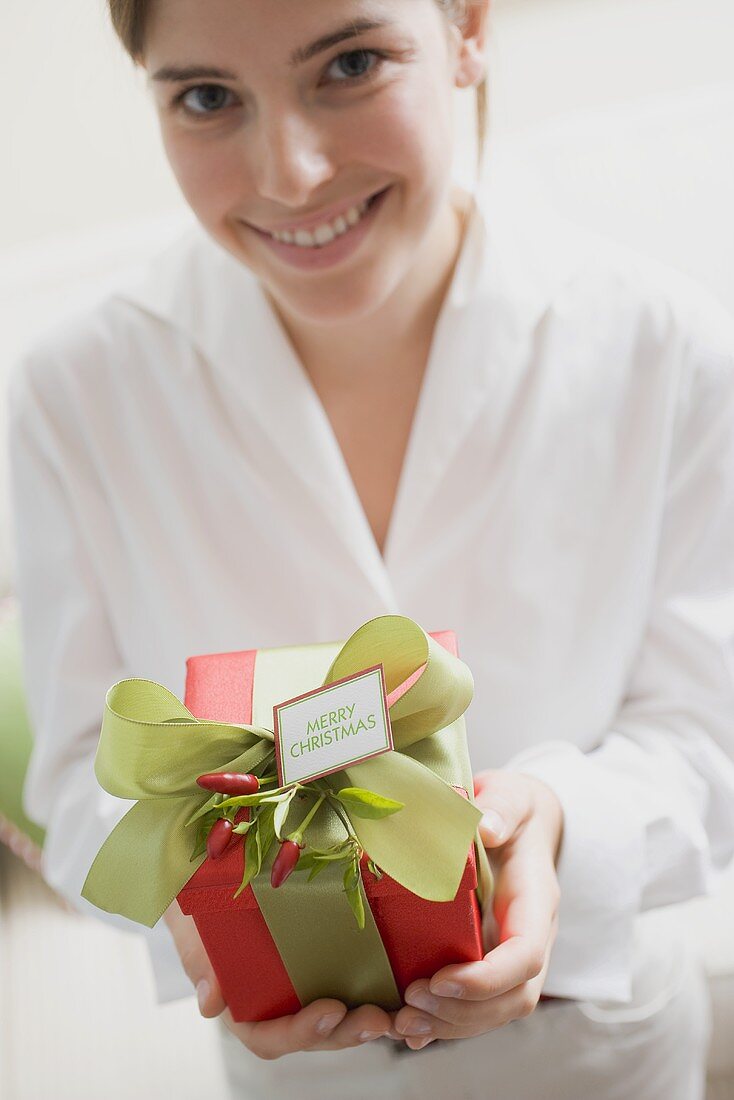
(401, 331)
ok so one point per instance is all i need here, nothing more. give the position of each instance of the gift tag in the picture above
(332, 727)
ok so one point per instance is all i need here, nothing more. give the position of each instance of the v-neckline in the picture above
(378, 563)
(482, 341)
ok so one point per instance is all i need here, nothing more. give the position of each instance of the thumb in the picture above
(209, 995)
(195, 960)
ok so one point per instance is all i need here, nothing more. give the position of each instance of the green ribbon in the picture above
(152, 749)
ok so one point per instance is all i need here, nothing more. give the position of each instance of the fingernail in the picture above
(365, 1036)
(448, 989)
(423, 999)
(493, 823)
(202, 993)
(423, 1043)
(417, 1027)
(326, 1023)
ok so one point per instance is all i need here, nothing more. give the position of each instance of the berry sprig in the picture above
(219, 837)
(291, 846)
(362, 803)
(229, 782)
(269, 811)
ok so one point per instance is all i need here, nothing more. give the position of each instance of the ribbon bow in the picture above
(151, 748)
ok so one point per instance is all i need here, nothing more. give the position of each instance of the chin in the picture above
(349, 300)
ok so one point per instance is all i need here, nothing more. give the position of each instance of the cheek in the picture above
(207, 169)
(408, 131)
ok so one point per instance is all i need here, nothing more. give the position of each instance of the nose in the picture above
(291, 159)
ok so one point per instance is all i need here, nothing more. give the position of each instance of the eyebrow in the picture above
(304, 53)
(350, 30)
(191, 72)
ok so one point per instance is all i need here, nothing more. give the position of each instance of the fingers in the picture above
(452, 993)
(506, 803)
(271, 1039)
(325, 1024)
(477, 982)
(516, 960)
(525, 926)
(360, 1025)
(195, 960)
(490, 998)
(494, 991)
(468, 999)
(512, 801)
(463, 1020)
(304, 1030)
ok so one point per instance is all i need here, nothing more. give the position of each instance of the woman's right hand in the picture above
(325, 1024)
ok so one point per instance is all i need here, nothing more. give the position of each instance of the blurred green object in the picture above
(16, 738)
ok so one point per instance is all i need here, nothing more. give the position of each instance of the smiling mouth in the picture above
(365, 203)
(325, 232)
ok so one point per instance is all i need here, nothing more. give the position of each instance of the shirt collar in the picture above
(194, 284)
(503, 282)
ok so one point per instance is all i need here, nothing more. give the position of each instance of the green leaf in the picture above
(355, 900)
(266, 831)
(353, 887)
(205, 808)
(342, 847)
(321, 856)
(257, 844)
(354, 897)
(316, 870)
(374, 869)
(198, 851)
(364, 803)
(205, 823)
(281, 813)
(351, 876)
(251, 799)
(204, 826)
(319, 859)
(306, 861)
(243, 827)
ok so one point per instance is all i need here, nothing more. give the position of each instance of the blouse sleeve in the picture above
(649, 812)
(69, 656)
(69, 660)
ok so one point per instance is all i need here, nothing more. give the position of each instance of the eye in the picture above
(355, 59)
(211, 96)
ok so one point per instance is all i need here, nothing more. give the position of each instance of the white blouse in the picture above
(566, 505)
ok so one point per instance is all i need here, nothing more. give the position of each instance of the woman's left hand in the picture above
(506, 984)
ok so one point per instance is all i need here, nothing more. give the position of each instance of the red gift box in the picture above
(419, 936)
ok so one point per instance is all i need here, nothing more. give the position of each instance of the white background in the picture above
(621, 111)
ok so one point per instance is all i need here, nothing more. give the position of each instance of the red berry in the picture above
(231, 783)
(284, 862)
(219, 837)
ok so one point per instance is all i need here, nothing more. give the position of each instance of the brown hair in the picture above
(128, 19)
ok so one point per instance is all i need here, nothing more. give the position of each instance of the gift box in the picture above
(276, 950)
(419, 936)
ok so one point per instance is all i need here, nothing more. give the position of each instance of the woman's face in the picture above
(295, 115)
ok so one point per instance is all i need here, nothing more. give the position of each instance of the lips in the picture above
(318, 219)
(335, 252)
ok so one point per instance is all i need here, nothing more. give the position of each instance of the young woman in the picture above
(350, 388)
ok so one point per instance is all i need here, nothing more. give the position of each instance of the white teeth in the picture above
(324, 233)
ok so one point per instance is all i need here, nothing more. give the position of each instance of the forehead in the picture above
(286, 28)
